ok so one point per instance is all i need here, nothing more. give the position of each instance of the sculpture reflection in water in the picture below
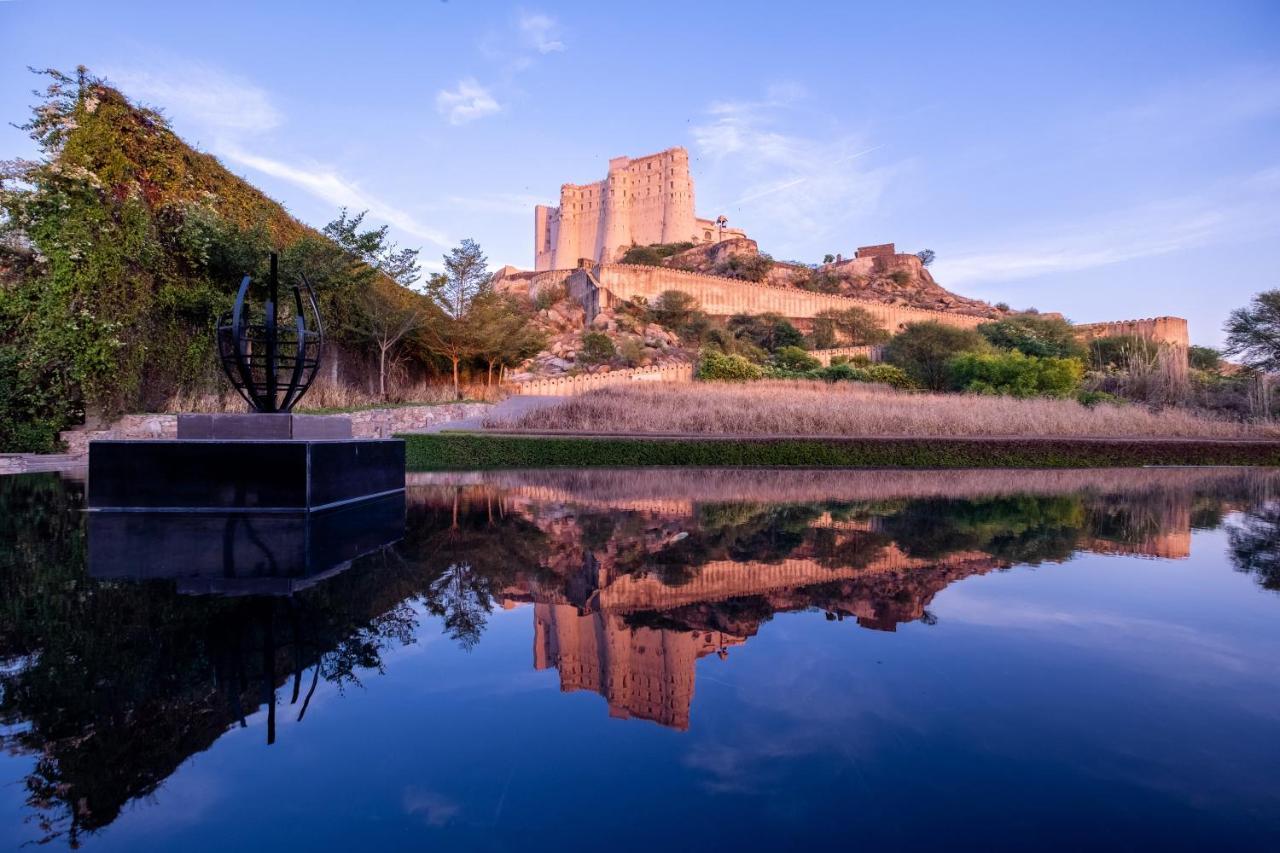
(196, 623)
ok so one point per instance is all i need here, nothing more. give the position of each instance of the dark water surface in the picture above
(663, 660)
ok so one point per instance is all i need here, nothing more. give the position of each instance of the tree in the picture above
(1034, 334)
(858, 326)
(828, 258)
(767, 331)
(465, 278)
(924, 351)
(504, 333)
(1204, 358)
(1253, 333)
(926, 256)
(385, 321)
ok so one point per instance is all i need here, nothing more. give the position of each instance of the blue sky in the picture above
(1108, 160)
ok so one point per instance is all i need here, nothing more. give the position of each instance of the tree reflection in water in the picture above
(110, 685)
(1255, 544)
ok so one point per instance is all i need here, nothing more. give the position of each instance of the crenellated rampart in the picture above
(720, 296)
(1164, 330)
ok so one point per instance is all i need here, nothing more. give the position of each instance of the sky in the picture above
(1105, 160)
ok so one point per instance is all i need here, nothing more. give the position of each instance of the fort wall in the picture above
(1164, 330)
(723, 297)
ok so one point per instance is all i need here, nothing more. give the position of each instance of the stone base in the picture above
(233, 427)
(241, 475)
(233, 553)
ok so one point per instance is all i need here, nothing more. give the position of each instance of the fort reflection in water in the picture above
(644, 573)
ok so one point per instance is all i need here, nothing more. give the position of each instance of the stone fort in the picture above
(650, 199)
(643, 201)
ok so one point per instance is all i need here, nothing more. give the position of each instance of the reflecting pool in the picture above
(653, 660)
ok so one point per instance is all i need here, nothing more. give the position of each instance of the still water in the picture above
(661, 660)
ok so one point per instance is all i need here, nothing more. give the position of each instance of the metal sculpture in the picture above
(271, 365)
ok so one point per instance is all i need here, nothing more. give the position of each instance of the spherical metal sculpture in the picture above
(271, 364)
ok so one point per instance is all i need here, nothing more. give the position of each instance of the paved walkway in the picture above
(511, 407)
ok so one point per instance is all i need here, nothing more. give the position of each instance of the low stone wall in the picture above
(384, 423)
(875, 353)
(567, 386)
(367, 423)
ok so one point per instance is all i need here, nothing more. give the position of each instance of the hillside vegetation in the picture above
(121, 248)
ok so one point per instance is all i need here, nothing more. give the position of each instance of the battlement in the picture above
(1165, 330)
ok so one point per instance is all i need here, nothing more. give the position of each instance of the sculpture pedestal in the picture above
(245, 463)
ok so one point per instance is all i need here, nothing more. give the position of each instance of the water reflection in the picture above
(115, 671)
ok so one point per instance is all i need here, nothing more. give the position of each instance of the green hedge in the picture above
(464, 451)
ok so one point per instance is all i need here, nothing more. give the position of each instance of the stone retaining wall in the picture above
(566, 386)
(367, 423)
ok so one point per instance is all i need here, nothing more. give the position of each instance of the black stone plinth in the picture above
(237, 553)
(257, 476)
(260, 426)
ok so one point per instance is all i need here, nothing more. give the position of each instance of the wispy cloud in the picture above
(203, 96)
(466, 103)
(327, 184)
(803, 185)
(540, 32)
(515, 204)
(1238, 210)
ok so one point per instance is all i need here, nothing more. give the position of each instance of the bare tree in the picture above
(385, 322)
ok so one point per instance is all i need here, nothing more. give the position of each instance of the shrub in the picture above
(767, 331)
(1016, 375)
(715, 365)
(632, 352)
(924, 350)
(549, 296)
(746, 267)
(887, 374)
(1034, 334)
(880, 374)
(596, 347)
(795, 359)
(653, 255)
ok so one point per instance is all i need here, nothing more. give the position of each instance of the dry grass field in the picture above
(791, 408)
(328, 396)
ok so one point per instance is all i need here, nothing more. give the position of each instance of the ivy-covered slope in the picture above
(118, 251)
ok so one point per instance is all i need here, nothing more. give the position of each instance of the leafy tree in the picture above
(465, 278)
(1204, 358)
(795, 359)
(1253, 332)
(924, 351)
(681, 313)
(1034, 334)
(1016, 375)
(857, 326)
(1118, 352)
(828, 258)
(926, 256)
(768, 331)
(505, 333)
